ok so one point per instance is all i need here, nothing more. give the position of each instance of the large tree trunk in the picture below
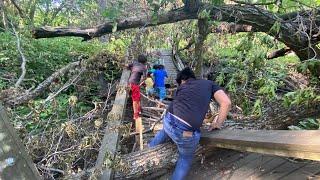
(155, 161)
(285, 28)
(203, 31)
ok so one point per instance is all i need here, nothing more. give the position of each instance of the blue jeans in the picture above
(173, 130)
(162, 93)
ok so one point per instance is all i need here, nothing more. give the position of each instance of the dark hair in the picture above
(149, 74)
(185, 74)
(142, 58)
(156, 66)
(161, 66)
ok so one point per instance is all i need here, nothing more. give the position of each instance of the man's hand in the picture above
(215, 125)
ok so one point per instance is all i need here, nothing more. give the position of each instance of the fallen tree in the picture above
(74, 71)
(14, 97)
(286, 28)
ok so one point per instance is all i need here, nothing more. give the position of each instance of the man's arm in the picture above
(225, 104)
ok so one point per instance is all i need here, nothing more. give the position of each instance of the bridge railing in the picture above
(176, 59)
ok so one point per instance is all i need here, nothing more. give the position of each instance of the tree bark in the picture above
(20, 11)
(12, 99)
(3, 14)
(203, 32)
(278, 53)
(32, 10)
(226, 28)
(287, 31)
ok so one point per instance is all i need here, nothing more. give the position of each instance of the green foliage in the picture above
(307, 124)
(243, 70)
(113, 12)
(312, 66)
(257, 108)
(50, 115)
(301, 97)
(217, 2)
(49, 54)
(204, 14)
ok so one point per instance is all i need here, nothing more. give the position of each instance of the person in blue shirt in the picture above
(160, 75)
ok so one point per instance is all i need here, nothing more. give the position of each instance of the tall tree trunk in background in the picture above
(46, 14)
(32, 10)
(3, 15)
(203, 30)
(102, 7)
(191, 5)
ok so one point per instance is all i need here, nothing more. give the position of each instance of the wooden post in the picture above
(139, 129)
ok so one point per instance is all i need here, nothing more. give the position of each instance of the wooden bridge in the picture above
(260, 154)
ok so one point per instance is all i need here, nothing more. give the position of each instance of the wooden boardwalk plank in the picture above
(281, 171)
(306, 172)
(244, 171)
(214, 164)
(274, 142)
(229, 171)
(109, 143)
(11, 147)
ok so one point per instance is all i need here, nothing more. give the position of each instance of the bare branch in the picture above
(17, 99)
(24, 60)
(64, 87)
(252, 4)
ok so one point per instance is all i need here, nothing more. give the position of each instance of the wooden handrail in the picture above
(176, 59)
(304, 144)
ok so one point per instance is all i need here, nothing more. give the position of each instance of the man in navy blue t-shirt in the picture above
(185, 115)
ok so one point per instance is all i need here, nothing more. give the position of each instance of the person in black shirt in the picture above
(185, 115)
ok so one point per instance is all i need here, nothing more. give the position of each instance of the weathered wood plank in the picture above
(243, 171)
(232, 167)
(306, 172)
(11, 147)
(282, 171)
(109, 143)
(275, 142)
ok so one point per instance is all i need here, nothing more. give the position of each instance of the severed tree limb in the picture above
(252, 4)
(17, 99)
(261, 20)
(278, 53)
(65, 86)
(106, 28)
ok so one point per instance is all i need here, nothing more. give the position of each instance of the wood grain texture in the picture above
(12, 147)
(299, 144)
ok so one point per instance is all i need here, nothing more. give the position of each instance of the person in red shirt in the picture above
(138, 71)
